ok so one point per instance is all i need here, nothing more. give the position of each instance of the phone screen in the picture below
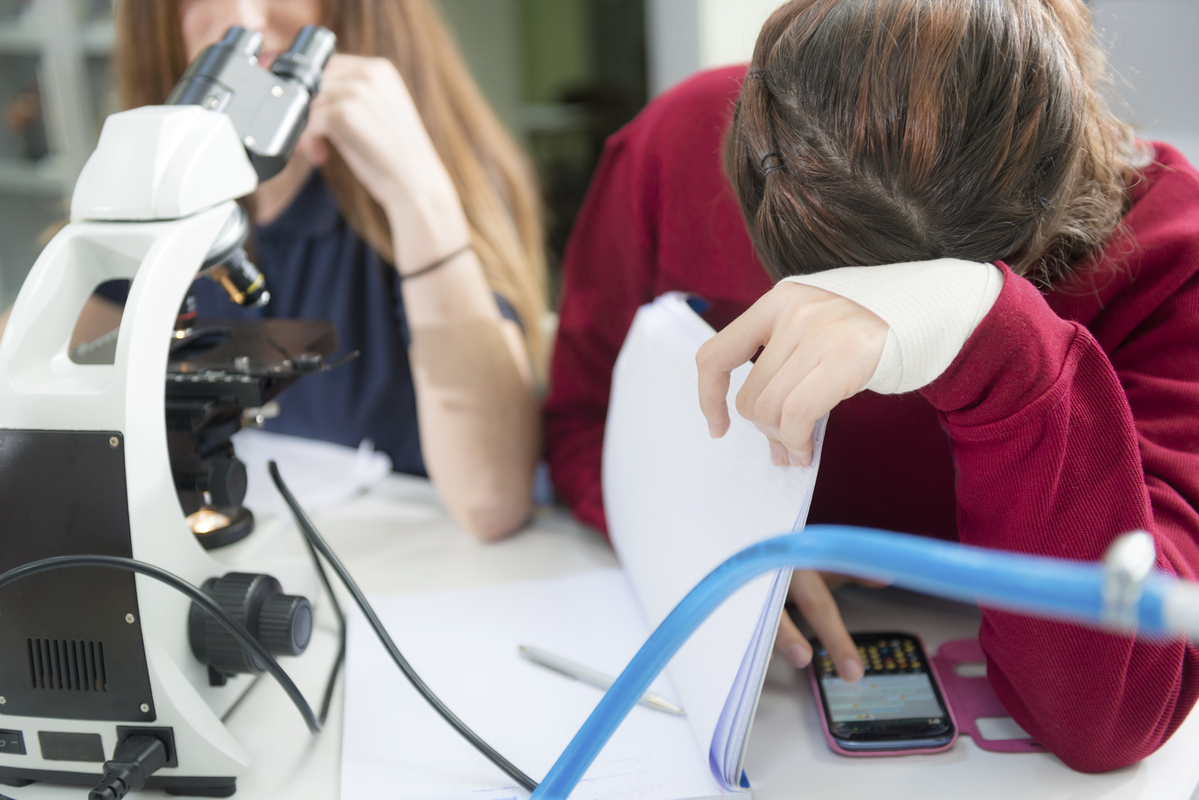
(895, 705)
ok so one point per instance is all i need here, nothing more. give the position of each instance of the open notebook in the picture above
(678, 503)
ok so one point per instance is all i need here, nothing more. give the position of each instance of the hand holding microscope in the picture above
(119, 484)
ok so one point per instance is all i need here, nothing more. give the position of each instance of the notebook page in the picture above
(731, 737)
(678, 503)
(732, 731)
(464, 644)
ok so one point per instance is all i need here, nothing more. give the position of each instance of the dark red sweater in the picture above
(1067, 419)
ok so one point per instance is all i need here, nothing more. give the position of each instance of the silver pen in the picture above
(589, 676)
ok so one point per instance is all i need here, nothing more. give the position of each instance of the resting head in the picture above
(887, 131)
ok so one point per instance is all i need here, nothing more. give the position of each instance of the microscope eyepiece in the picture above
(306, 58)
(242, 40)
(207, 79)
(268, 108)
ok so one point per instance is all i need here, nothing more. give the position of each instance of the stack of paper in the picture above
(678, 504)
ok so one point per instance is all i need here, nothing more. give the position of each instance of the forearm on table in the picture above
(1049, 462)
(479, 427)
(478, 423)
(1098, 701)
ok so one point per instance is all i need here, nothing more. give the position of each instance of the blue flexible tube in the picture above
(1049, 587)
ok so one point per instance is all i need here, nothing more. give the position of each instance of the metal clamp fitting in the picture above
(1128, 562)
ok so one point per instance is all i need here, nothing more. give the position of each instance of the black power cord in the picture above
(136, 758)
(315, 540)
(198, 597)
(341, 631)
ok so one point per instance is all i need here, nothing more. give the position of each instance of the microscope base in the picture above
(191, 787)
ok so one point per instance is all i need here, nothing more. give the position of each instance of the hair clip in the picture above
(1043, 202)
(769, 168)
(754, 73)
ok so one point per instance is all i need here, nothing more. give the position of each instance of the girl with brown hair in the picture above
(988, 282)
(402, 166)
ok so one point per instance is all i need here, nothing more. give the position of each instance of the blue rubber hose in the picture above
(1047, 587)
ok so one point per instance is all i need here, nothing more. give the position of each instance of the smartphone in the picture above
(896, 708)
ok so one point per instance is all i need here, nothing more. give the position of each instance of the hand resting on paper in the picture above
(818, 349)
(811, 592)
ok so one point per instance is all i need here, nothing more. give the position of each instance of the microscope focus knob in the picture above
(227, 481)
(285, 624)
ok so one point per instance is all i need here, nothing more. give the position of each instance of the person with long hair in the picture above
(986, 279)
(402, 166)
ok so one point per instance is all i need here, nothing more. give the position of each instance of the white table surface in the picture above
(397, 539)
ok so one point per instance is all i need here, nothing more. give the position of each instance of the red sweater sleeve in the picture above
(609, 274)
(659, 216)
(1059, 448)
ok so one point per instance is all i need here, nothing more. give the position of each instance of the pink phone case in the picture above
(901, 751)
(972, 698)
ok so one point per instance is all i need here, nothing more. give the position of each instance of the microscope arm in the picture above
(160, 163)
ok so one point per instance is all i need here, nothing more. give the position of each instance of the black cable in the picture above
(341, 631)
(136, 758)
(198, 597)
(315, 539)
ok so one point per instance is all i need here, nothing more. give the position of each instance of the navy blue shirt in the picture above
(317, 267)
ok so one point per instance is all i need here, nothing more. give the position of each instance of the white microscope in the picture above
(122, 448)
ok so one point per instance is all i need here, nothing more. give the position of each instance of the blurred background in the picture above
(562, 74)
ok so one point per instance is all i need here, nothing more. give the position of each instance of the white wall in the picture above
(685, 36)
(1154, 45)
(730, 28)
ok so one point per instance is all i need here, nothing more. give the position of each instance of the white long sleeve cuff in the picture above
(932, 307)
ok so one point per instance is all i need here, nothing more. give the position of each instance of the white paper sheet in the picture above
(678, 503)
(464, 644)
(322, 475)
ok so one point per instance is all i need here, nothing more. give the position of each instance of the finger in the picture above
(798, 319)
(774, 355)
(819, 608)
(351, 127)
(352, 76)
(816, 395)
(834, 581)
(722, 354)
(871, 584)
(341, 65)
(769, 406)
(347, 87)
(312, 142)
(778, 453)
(317, 151)
(791, 644)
